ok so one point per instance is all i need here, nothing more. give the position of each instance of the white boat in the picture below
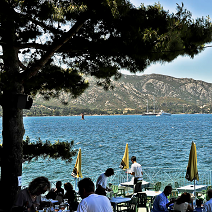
(150, 113)
(162, 113)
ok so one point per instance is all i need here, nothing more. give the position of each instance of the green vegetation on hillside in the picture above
(40, 110)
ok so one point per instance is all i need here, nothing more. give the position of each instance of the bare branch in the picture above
(22, 65)
(33, 70)
(32, 45)
(42, 24)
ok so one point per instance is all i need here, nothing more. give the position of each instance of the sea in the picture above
(163, 142)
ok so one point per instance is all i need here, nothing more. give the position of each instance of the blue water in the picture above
(156, 141)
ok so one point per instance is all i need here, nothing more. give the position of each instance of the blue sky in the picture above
(198, 68)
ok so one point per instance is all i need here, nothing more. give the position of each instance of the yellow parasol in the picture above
(77, 168)
(125, 160)
(192, 172)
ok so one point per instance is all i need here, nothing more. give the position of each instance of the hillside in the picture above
(132, 92)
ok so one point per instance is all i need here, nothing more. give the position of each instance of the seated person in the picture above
(208, 205)
(199, 207)
(92, 202)
(182, 203)
(71, 196)
(56, 193)
(161, 202)
(29, 198)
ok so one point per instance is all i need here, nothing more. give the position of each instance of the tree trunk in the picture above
(12, 121)
(13, 131)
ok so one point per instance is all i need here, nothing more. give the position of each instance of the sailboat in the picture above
(150, 113)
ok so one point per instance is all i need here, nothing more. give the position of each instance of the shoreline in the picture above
(116, 115)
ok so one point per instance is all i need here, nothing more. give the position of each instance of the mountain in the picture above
(132, 92)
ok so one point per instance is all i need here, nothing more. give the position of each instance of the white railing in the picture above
(151, 174)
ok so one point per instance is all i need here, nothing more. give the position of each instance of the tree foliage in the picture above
(48, 45)
(59, 40)
(57, 150)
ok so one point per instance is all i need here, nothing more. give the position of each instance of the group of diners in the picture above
(184, 203)
(29, 199)
(95, 200)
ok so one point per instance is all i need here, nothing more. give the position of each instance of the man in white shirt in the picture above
(101, 183)
(92, 202)
(208, 205)
(136, 171)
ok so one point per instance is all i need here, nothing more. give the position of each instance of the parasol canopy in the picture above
(192, 172)
(125, 160)
(77, 168)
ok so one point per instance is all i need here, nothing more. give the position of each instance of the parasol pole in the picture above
(195, 198)
(75, 184)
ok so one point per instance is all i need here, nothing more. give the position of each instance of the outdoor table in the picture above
(115, 200)
(190, 188)
(151, 194)
(47, 202)
(131, 184)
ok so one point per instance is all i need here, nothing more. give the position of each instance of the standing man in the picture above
(136, 171)
(101, 183)
(92, 202)
(161, 202)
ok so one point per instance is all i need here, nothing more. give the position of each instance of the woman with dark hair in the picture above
(71, 196)
(182, 203)
(29, 198)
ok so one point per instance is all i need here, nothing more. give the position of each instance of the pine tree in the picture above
(48, 45)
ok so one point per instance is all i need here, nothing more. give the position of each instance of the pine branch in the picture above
(58, 150)
(33, 70)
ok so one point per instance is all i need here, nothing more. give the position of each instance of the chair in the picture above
(142, 200)
(130, 206)
(174, 194)
(176, 185)
(121, 191)
(133, 204)
(155, 187)
(114, 189)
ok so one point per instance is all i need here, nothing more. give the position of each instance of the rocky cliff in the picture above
(132, 91)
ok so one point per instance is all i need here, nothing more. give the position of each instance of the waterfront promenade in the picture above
(153, 174)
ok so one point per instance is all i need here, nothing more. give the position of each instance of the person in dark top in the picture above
(56, 193)
(70, 194)
(29, 199)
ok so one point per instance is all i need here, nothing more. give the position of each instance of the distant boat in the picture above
(162, 113)
(83, 118)
(150, 113)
